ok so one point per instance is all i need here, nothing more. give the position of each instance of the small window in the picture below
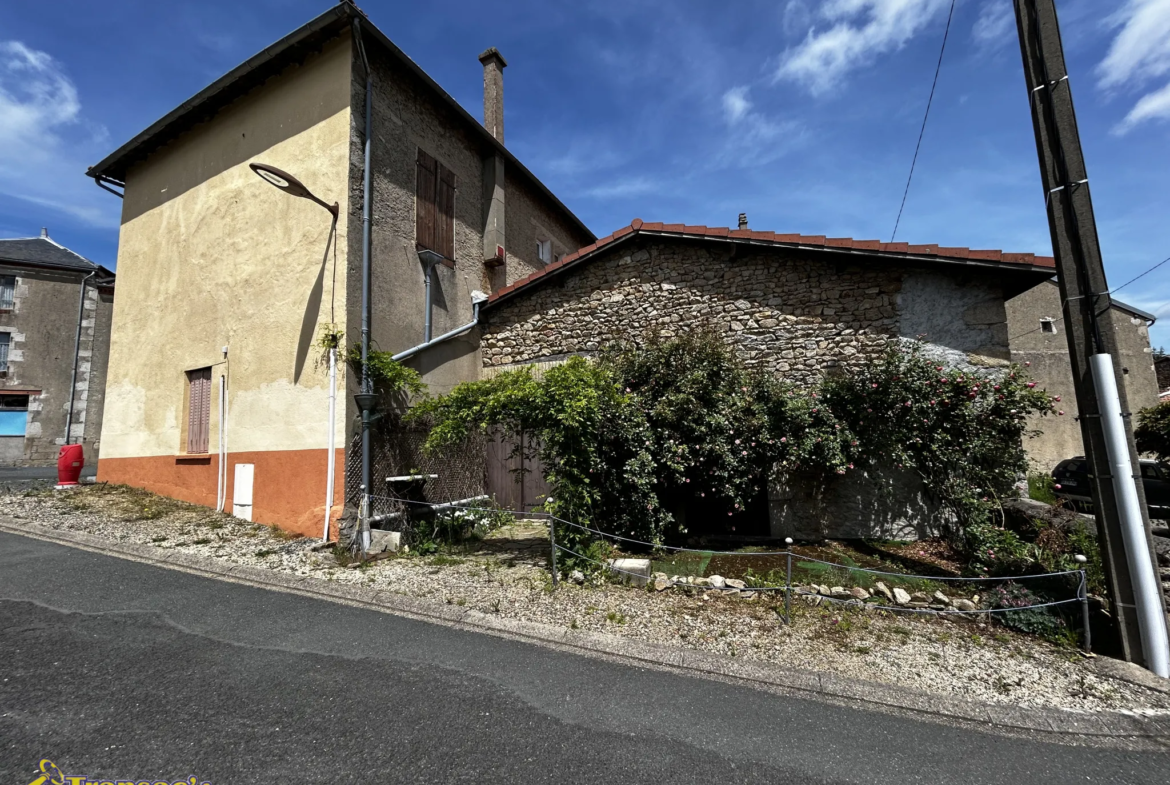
(1047, 325)
(5, 340)
(544, 251)
(435, 206)
(13, 414)
(7, 292)
(198, 410)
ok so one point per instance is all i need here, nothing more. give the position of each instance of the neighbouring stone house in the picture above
(227, 283)
(795, 305)
(45, 289)
(1037, 337)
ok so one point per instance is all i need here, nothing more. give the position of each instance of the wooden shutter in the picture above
(198, 410)
(427, 177)
(445, 212)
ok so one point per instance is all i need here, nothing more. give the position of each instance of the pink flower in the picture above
(932, 403)
(737, 441)
(1031, 385)
(1057, 399)
(997, 386)
(907, 403)
(1057, 486)
(1027, 364)
(873, 386)
(783, 439)
(1060, 413)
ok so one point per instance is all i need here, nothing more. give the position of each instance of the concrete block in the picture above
(384, 541)
(636, 572)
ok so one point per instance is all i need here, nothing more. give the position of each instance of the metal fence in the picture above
(767, 583)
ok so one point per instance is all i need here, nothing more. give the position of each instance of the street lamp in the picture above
(294, 187)
(291, 185)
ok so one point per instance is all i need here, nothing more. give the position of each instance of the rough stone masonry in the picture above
(784, 311)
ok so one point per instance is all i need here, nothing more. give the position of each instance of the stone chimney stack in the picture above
(493, 92)
(45, 232)
(743, 221)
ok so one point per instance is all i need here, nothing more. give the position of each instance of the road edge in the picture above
(1060, 722)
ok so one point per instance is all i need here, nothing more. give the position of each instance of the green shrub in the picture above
(1041, 487)
(1045, 622)
(685, 418)
(1153, 431)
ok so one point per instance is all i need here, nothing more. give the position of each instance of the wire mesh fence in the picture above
(790, 574)
(458, 472)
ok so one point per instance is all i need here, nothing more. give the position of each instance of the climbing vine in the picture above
(681, 418)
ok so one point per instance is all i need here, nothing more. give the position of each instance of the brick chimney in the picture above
(493, 92)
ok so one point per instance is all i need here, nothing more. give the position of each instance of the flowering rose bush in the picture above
(686, 418)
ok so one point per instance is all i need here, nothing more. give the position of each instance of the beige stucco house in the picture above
(227, 283)
(1038, 339)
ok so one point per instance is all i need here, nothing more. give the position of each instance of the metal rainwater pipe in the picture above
(366, 387)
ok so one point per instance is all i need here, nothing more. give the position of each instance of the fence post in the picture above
(552, 541)
(1083, 593)
(788, 583)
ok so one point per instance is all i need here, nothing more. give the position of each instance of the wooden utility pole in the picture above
(1088, 315)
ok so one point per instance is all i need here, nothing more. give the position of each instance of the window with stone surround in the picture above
(434, 206)
(13, 414)
(5, 343)
(7, 292)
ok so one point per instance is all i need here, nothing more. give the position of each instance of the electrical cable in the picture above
(922, 130)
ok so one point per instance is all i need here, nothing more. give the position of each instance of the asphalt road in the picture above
(118, 670)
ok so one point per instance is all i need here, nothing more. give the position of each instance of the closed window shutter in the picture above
(198, 410)
(445, 213)
(427, 177)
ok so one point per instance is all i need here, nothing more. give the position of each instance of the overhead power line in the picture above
(922, 131)
(1143, 275)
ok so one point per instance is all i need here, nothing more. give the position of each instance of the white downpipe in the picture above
(221, 494)
(332, 453)
(1146, 591)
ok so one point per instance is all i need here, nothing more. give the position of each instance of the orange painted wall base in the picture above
(288, 486)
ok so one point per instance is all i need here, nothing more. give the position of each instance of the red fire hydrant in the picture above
(69, 463)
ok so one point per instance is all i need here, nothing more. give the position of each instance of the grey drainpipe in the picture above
(367, 468)
(76, 355)
(476, 299)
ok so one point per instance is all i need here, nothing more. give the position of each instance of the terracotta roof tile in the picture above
(895, 247)
(812, 239)
(867, 245)
(989, 256)
(956, 253)
(674, 228)
(839, 242)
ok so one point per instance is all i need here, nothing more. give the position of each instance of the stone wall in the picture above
(43, 327)
(796, 315)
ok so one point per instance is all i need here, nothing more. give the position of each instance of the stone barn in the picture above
(795, 305)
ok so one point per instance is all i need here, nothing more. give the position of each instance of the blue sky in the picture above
(801, 113)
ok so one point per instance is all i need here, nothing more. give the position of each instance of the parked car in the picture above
(1073, 483)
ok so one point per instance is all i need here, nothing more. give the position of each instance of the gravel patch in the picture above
(506, 575)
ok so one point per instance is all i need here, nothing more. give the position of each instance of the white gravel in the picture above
(506, 575)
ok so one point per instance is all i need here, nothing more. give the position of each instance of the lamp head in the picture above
(289, 184)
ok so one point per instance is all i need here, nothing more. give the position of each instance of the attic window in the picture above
(1048, 325)
(7, 292)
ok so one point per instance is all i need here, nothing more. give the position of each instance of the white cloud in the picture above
(735, 104)
(623, 188)
(1142, 48)
(754, 139)
(996, 24)
(43, 137)
(1139, 54)
(1152, 106)
(861, 30)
